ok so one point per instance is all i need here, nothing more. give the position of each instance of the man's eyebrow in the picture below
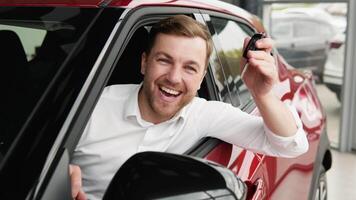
(164, 54)
(190, 62)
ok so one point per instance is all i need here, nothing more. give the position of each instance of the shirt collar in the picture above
(132, 110)
(131, 106)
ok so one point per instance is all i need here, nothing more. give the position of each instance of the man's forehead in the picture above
(189, 43)
(167, 55)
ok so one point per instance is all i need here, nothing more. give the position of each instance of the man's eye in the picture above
(163, 61)
(191, 69)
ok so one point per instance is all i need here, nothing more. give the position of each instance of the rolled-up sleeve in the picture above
(291, 146)
(248, 131)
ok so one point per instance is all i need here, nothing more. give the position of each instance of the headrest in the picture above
(128, 68)
(12, 55)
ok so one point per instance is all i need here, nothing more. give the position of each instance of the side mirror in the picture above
(156, 175)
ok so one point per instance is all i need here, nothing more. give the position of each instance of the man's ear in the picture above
(143, 63)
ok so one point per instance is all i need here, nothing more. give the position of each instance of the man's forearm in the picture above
(277, 117)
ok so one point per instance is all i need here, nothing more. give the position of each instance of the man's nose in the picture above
(174, 75)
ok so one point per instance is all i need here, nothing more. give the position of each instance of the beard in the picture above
(161, 109)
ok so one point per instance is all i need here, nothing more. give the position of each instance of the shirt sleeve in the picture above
(295, 145)
(231, 125)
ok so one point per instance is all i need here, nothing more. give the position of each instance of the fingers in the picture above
(260, 55)
(260, 60)
(264, 67)
(76, 182)
(265, 43)
(81, 196)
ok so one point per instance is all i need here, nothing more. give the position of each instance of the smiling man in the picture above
(164, 114)
(173, 69)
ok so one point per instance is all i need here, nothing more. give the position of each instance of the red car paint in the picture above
(267, 177)
(279, 178)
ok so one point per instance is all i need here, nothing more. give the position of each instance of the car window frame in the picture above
(86, 101)
(250, 105)
(128, 22)
(131, 20)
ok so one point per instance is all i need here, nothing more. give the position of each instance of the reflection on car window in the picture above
(33, 47)
(219, 78)
(230, 36)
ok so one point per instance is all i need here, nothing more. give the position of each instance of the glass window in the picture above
(34, 44)
(230, 36)
(217, 70)
(219, 78)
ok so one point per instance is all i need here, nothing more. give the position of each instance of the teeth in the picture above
(170, 91)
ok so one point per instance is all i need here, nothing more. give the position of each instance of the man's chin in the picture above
(167, 112)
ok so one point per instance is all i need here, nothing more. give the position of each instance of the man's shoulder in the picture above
(119, 91)
(201, 103)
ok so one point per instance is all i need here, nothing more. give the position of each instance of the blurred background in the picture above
(312, 35)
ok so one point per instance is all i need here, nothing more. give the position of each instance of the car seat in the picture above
(128, 68)
(48, 58)
(15, 104)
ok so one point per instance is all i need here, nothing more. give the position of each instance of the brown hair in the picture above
(181, 25)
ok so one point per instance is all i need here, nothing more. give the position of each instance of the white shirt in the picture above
(116, 131)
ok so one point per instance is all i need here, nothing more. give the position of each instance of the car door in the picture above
(214, 87)
(61, 47)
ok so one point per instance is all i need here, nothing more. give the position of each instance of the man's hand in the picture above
(259, 70)
(260, 76)
(76, 182)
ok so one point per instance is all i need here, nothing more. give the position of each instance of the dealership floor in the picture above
(342, 176)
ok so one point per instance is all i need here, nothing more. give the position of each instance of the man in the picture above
(164, 114)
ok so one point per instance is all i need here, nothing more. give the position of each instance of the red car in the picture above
(58, 55)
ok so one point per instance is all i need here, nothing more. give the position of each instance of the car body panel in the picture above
(279, 174)
(267, 177)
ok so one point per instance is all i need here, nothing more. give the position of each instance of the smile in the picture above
(169, 92)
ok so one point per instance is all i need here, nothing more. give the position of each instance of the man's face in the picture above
(173, 72)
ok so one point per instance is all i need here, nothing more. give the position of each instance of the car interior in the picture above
(127, 70)
(25, 78)
(14, 84)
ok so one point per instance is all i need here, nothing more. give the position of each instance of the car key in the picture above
(252, 43)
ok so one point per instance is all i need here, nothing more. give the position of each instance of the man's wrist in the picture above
(263, 98)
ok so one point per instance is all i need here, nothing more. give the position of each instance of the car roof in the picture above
(213, 5)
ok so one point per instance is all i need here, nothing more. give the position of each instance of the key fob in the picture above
(251, 44)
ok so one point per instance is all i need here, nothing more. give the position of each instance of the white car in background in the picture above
(303, 39)
(334, 66)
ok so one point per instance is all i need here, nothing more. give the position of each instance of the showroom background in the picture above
(336, 69)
